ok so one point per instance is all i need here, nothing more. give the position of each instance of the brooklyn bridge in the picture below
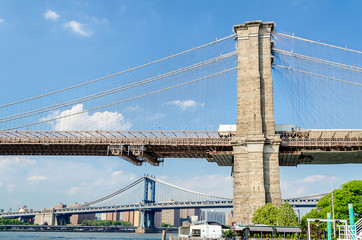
(55, 123)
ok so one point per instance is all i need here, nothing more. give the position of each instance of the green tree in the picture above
(7, 221)
(228, 234)
(350, 192)
(267, 214)
(166, 225)
(271, 215)
(312, 214)
(286, 216)
(105, 223)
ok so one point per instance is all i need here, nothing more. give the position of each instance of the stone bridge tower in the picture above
(256, 147)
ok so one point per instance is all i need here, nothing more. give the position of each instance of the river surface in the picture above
(78, 235)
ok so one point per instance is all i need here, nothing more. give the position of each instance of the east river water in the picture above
(78, 235)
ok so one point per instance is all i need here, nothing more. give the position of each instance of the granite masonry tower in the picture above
(256, 147)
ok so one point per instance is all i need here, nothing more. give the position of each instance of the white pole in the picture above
(308, 230)
(334, 224)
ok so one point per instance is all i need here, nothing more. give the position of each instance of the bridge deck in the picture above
(304, 147)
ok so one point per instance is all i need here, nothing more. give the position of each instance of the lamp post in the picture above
(334, 225)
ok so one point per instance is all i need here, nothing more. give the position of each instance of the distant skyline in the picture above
(47, 45)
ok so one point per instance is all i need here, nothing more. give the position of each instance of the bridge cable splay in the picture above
(311, 41)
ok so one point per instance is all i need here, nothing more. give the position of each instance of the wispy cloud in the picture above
(312, 179)
(78, 28)
(185, 105)
(153, 117)
(15, 162)
(36, 178)
(51, 15)
(302, 187)
(1, 20)
(11, 187)
(213, 184)
(132, 109)
(73, 190)
(109, 182)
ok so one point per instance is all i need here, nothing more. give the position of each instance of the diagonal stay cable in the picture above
(126, 100)
(114, 90)
(318, 75)
(116, 74)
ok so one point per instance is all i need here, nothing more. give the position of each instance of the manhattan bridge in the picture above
(251, 79)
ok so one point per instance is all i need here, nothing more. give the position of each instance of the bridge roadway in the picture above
(302, 147)
(152, 206)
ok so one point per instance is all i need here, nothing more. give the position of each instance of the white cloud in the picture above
(1, 184)
(185, 105)
(15, 162)
(78, 28)
(99, 21)
(303, 187)
(36, 178)
(1, 20)
(156, 116)
(312, 179)
(73, 190)
(80, 120)
(51, 15)
(119, 176)
(115, 173)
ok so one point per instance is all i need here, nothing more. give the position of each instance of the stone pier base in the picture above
(256, 147)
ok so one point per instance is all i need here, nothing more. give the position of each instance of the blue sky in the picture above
(47, 45)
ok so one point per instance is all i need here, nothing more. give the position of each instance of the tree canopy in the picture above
(271, 215)
(7, 221)
(350, 192)
(105, 223)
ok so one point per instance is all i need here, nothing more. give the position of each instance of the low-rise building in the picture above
(113, 216)
(76, 219)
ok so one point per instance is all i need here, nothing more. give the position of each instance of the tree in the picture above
(167, 225)
(271, 215)
(350, 192)
(286, 216)
(7, 221)
(105, 223)
(267, 214)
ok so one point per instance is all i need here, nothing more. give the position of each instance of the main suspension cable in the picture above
(116, 74)
(114, 90)
(126, 100)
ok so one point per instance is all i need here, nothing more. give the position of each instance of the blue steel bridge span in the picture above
(148, 201)
(304, 203)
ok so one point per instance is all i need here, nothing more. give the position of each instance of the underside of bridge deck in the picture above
(153, 154)
(320, 157)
